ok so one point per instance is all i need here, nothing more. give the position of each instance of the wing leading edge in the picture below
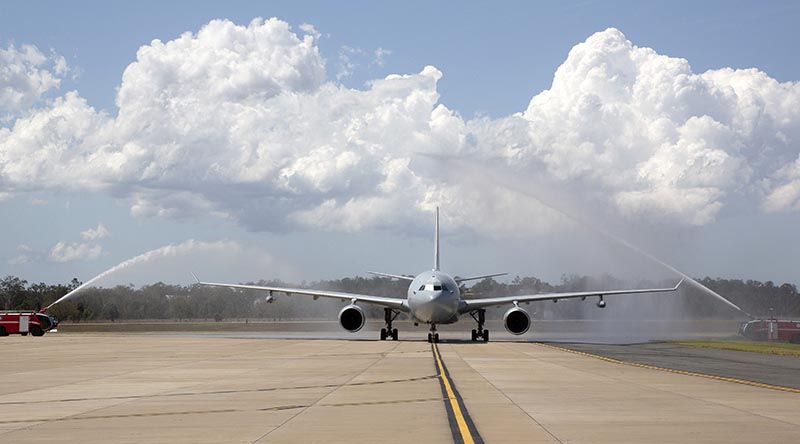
(397, 304)
(473, 304)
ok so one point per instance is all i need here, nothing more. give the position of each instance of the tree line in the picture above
(162, 301)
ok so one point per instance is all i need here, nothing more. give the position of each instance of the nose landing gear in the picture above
(433, 336)
(480, 317)
(389, 315)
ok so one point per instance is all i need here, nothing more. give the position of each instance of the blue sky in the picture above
(475, 45)
(494, 58)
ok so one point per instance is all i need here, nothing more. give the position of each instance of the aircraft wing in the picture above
(394, 276)
(473, 304)
(484, 276)
(395, 303)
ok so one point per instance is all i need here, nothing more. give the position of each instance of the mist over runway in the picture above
(583, 331)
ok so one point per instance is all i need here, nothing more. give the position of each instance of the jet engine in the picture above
(517, 321)
(352, 318)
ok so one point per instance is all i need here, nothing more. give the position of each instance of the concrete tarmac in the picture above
(138, 388)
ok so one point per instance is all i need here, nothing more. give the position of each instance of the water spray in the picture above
(483, 174)
(165, 251)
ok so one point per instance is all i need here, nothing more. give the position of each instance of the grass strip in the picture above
(772, 348)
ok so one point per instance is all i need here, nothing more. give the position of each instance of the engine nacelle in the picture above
(352, 318)
(517, 321)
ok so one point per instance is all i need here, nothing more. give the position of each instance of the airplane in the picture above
(434, 298)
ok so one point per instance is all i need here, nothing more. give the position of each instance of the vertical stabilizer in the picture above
(436, 243)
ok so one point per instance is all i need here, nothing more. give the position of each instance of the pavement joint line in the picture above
(672, 370)
(317, 402)
(396, 401)
(205, 412)
(678, 393)
(152, 414)
(192, 361)
(539, 423)
(461, 425)
(224, 392)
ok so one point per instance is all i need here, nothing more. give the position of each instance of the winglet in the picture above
(195, 277)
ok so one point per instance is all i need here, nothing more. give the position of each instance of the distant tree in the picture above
(165, 301)
(12, 292)
(113, 312)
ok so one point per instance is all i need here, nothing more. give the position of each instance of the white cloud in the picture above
(309, 29)
(239, 122)
(98, 233)
(656, 138)
(25, 256)
(63, 252)
(380, 56)
(25, 75)
(347, 63)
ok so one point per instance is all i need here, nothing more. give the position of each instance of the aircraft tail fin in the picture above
(436, 243)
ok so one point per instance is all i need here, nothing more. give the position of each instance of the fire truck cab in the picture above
(24, 322)
(771, 330)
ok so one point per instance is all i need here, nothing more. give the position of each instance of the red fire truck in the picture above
(771, 330)
(24, 322)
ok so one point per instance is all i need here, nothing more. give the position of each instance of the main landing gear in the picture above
(389, 315)
(480, 333)
(433, 336)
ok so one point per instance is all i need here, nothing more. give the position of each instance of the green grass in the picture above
(772, 348)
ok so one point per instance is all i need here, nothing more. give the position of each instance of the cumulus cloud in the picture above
(98, 233)
(64, 252)
(660, 140)
(25, 255)
(239, 121)
(25, 75)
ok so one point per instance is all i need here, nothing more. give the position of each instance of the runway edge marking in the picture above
(672, 370)
(461, 425)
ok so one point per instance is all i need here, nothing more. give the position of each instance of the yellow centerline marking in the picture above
(672, 370)
(462, 423)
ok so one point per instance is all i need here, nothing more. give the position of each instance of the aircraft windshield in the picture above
(433, 287)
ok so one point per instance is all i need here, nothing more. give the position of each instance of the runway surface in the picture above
(139, 388)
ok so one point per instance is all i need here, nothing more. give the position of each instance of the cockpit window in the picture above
(421, 288)
(433, 287)
(444, 288)
(437, 288)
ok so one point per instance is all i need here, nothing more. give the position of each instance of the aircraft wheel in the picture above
(430, 337)
(436, 337)
(383, 334)
(486, 336)
(394, 334)
(474, 335)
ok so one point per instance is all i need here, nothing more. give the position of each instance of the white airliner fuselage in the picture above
(434, 297)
